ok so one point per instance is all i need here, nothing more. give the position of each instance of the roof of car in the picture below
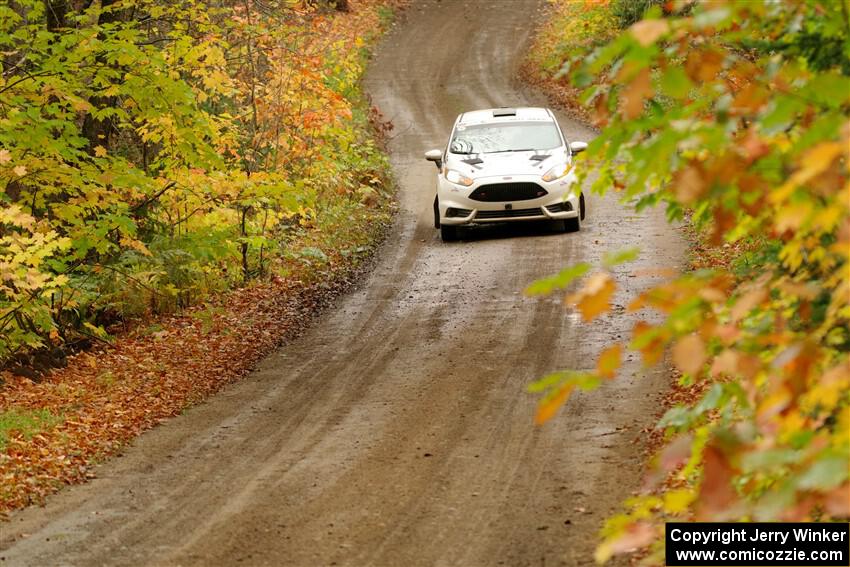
(522, 114)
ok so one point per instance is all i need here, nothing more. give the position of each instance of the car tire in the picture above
(436, 212)
(581, 206)
(448, 233)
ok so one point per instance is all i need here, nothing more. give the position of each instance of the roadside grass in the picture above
(25, 423)
(572, 30)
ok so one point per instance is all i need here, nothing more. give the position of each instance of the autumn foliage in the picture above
(734, 117)
(152, 153)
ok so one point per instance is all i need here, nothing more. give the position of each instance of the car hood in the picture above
(505, 164)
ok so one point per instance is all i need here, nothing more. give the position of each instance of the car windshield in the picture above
(504, 137)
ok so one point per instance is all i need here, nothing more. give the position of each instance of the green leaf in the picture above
(611, 259)
(560, 280)
(826, 473)
(675, 83)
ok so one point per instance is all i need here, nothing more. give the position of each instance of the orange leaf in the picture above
(750, 98)
(609, 361)
(646, 32)
(595, 297)
(654, 347)
(747, 302)
(550, 406)
(689, 184)
(635, 93)
(717, 494)
(689, 354)
(676, 453)
(725, 363)
(703, 66)
(838, 502)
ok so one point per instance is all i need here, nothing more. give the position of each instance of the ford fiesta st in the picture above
(506, 164)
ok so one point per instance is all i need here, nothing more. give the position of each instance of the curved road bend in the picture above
(396, 432)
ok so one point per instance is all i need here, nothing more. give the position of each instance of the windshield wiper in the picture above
(505, 151)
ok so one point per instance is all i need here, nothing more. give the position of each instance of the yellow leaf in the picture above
(677, 501)
(15, 216)
(646, 32)
(609, 361)
(792, 219)
(595, 297)
(820, 157)
(774, 404)
(827, 219)
(827, 391)
(99, 151)
(550, 406)
(5, 157)
(814, 162)
(632, 538)
(20, 171)
(689, 354)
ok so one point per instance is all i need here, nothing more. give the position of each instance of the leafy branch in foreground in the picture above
(727, 114)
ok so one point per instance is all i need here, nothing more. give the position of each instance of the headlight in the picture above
(457, 177)
(557, 172)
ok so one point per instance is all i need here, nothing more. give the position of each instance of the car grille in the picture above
(452, 212)
(509, 213)
(559, 207)
(508, 192)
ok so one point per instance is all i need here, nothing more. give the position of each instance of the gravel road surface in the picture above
(397, 430)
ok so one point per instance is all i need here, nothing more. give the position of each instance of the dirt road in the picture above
(396, 432)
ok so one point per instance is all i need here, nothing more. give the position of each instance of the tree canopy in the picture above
(151, 153)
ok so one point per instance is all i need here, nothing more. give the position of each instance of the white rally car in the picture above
(506, 164)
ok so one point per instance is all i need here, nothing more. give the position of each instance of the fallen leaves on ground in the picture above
(107, 396)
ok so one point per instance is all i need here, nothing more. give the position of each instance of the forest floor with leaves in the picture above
(54, 429)
(105, 397)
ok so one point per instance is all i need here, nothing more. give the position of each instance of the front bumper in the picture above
(456, 208)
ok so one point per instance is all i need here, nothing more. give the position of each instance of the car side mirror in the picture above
(436, 156)
(577, 147)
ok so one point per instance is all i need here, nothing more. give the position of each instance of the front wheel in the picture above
(448, 233)
(436, 212)
(572, 225)
(581, 206)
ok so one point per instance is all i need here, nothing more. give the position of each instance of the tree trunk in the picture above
(57, 11)
(97, 131)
